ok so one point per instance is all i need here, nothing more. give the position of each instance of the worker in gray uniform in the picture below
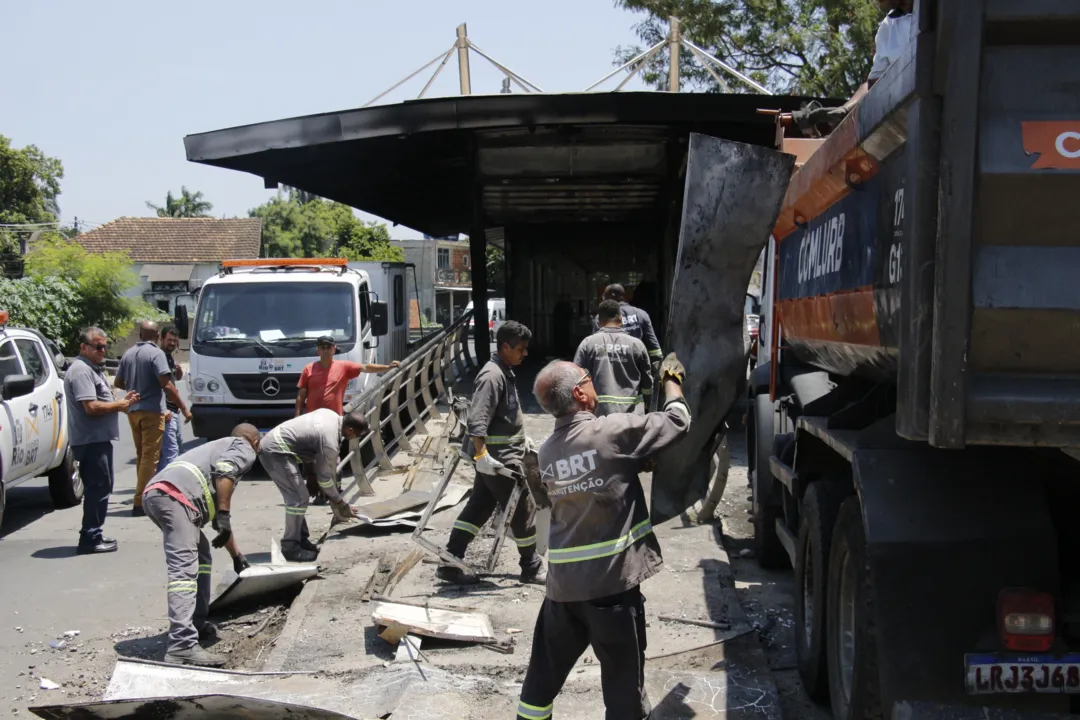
(496, 429)
(191, 491)
(601, 544)
(618, 363)
(635, 322)
(314, 437)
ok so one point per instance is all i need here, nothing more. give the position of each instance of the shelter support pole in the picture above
(462, 45)
(478, 262)
(674, 44)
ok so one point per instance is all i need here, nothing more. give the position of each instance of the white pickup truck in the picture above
(33, 417)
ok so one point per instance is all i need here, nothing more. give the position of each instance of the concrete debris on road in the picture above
(47, 684)
(437, 622)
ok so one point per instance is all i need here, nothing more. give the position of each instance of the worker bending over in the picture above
(635, 322)
(618, 363)
(601, 545)
(194, 489)
(497, 431)
(314, 437)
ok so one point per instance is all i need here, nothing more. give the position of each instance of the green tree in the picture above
(100, 282)
(298, 224)
(29, 184)
(188, 205)
(496, 270)
(821, 48)
(47, 304)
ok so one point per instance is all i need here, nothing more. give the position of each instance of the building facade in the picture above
(443, 278)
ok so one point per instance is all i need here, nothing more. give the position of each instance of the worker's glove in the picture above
(223, 524)
(488, 465)
(672, 369)
(814, 114)
(343, 511)
(240, 563)
(531, 446)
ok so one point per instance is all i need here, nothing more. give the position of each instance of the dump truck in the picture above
(916, 395)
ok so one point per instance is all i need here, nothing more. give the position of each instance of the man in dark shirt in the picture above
(92, 428)
(145, 370)
(174, 437)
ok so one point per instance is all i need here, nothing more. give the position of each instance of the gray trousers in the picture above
(286, 473)
(187, 559)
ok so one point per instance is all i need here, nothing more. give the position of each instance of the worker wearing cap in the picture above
(496, 429)
(601, 544)
(322, 385)
(191, 491)
(635, 322)
(618, 363)
(314, 437)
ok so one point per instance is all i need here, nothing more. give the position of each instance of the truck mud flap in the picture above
(732, 197)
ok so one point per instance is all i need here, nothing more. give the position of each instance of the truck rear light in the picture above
(1026, 620)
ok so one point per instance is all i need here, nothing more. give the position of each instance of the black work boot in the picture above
(534, 574)
(455, 575)
(305, 540)
(298, 553)
(194, 655)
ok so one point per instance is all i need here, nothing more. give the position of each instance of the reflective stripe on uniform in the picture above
(619, 399)
(207, 495)
(204, 569)
(526, 542)
(467, 527)
(326, 483)
(282, 446)
(656, 353)
(290, 510)
(504, 439)
(181, 586)
(533, 712)
(602, 549)
(647, 391)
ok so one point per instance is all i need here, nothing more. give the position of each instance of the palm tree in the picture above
(188, 205)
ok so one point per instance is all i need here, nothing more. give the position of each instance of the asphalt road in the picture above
(113, 599)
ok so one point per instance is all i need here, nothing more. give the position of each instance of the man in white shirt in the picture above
(894, 34)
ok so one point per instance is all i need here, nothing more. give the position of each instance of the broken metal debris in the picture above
(262, 580)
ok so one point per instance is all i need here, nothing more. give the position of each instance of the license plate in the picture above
(987, 674)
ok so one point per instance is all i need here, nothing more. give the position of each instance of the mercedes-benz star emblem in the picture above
(271, 386)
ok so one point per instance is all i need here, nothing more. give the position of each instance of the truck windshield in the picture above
(273, 319)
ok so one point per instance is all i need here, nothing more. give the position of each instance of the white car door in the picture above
(45, 404)
(15, 422)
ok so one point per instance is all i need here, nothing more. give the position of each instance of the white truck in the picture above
(256, 325)
(33, 416)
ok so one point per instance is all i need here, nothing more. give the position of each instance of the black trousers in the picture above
(96, 470)
(615, 627)
(489, 492)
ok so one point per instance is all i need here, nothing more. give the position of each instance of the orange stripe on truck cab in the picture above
(847, 317)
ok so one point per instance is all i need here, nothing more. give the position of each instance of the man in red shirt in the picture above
(322, 385)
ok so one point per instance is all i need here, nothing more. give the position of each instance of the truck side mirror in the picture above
(17, 386)
(380, 318)
(181, 321)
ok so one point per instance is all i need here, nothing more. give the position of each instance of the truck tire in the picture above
(820, 507)
(767, 547)
(65, 483)
(851, 643)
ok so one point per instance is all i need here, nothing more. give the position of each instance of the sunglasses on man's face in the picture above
(100, 347)
(584, 379)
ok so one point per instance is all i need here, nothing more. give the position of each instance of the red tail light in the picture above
(1026, 620)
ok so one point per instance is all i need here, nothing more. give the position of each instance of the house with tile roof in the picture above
(174, 256)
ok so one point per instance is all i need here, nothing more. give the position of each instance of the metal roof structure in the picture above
(447, 165)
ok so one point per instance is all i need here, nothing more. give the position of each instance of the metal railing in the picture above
(403, 400)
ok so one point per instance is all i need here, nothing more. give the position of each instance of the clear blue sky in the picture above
(111, 88)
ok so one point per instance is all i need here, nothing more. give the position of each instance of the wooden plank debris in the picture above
(377, 582)
(402, 569)
(434, 622)
(719, 625)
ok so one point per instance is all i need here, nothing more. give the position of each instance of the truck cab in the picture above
(255, 329)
